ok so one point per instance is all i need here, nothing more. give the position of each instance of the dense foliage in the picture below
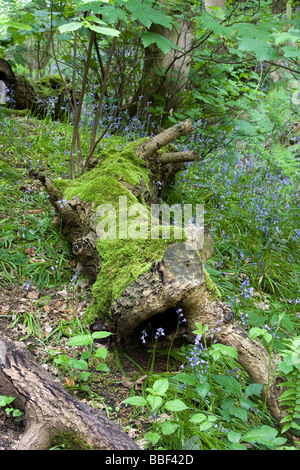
(242, 94)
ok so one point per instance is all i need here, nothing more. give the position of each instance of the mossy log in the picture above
(50, 411)
(141, 283)
(45, 97)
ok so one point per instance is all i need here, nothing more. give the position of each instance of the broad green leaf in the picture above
(239, 413)
(161, 386)
(203, 389)
(80, 340)
(260, 435)
(17, 25)
(230, 384)
(234, 437)
(261, 50)
(147, 15)
(101, 353)
(227, 351)
(153, 437)
(176, 405)
(106, 31)
(4, 400)
(168, 427)
(102, 367)
(198, 418)
(135, 401)
(101, 334)
(253, 389)
(205, 426)
(162, 43)
(154, 401)
(68, 27)
(78, 363)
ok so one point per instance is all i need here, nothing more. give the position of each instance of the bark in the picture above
(49, 409)
(165, 76)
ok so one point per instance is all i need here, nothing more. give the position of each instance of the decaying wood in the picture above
(22, 95)
(178, 157)
(151, 146)
(177, 281)
(49, 409)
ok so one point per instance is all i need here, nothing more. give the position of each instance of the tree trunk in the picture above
(165, 76)
(165, 277)
(50, 411)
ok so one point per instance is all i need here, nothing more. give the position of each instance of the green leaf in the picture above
(101, 334)
(101, 353)
(198, 418)
(135, 401)
(147, 15)
(154, 401)
(203, 389)
(239, 413)
(17, 25)
(4, 400)
(73, 26)
(230, 384)
(162, 43)
(153, 437)
(80, 340)
(78, 363)
(168, 427)
(175, 405)
(102, 367)
(104, 30)
(261, 435)
(227, 351)
(234, 437)
(253, 389)
(261, 50)
(161, 386)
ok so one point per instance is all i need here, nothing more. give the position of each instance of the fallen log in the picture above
(50, 411)
(45, 97)
(140, 282)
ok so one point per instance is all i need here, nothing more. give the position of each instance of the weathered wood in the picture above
(178, 157)
(22, 95)
(151, 146)
(49, 409)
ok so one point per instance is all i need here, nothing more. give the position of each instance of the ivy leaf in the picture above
(162, 43)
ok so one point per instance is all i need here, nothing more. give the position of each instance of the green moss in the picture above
(211, 286)
(47, 85)
(68, 440)
(122, 260)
